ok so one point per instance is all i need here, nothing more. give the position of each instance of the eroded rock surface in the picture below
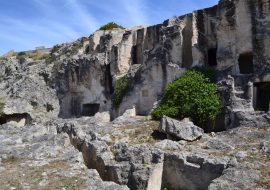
(180, 130)
(36, 157)
(132, 153)
(78, 79)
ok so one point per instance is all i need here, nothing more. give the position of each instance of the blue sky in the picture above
(25, 24)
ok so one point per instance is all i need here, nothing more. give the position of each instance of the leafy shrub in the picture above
(208, 72)
(21, 54)
(2, 105)
(8, 71)
(120, 89)
(55, 49)
(51, 57)
(192, 95)
(110, 26)
(35, 55)
(165, 109)
(49, 107)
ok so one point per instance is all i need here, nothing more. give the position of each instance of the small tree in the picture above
(192, 95)
(2, 105)
(120, 89)
(110, 26)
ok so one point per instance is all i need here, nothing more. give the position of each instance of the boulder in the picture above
(103, 117)
(265, 147)
(180, 130)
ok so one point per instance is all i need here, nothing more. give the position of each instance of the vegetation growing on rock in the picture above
(193, 95)
(2, 105)
(120, 89)
(110, 26)
(33, 55)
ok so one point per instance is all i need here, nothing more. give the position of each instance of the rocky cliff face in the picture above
(80, 79)
(26, 93)
(231, 37)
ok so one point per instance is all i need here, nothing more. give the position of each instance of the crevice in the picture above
(19, 119)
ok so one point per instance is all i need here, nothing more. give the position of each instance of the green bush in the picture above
(208, 72)
(120, 89)
(2, 105)
(21, 53)
(192, 95)
(110, 26)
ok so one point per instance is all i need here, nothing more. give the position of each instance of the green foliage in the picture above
(35, 55)
(166, 186)
(55, 49)
(120, 89)
(110, 26)
(208, 72)
(51, 57)
(21, 54)
(49, 107)
(2, 105)
(8, 71)
(192, 95)
(165, 109)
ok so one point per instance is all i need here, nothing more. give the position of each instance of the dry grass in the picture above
(138, 133)
(18, 174)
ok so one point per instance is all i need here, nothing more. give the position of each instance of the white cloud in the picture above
(81, 15)
(136, 11)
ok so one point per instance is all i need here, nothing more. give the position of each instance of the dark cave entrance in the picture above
(134, 55)
(90, 109)
(187, 58)
(245, 62)
(212, 57)
(20, 118)
(262, 96)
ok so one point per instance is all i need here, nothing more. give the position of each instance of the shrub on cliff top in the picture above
(192, 95)
(110, 26)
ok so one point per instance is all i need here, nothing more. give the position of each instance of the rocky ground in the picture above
(130, 151)
(36, 157)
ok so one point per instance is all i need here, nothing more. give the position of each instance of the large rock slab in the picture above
(195, 171)
(180, 130)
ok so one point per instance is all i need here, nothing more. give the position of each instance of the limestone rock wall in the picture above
(25, 90)
(232, 37)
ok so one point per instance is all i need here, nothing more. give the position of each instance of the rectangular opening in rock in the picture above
(75, 106)
(262, 96)
(134, 55)
(245, 62)
(212, 57)
(90, 109)
(187, 58)
(17, 119)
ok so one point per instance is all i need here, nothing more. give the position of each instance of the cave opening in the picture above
(19, 119)
(262, 96)
(212, 57)
(187, 58)
(134, 55)
(245, 62)
(108, 80)
(90, 109)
